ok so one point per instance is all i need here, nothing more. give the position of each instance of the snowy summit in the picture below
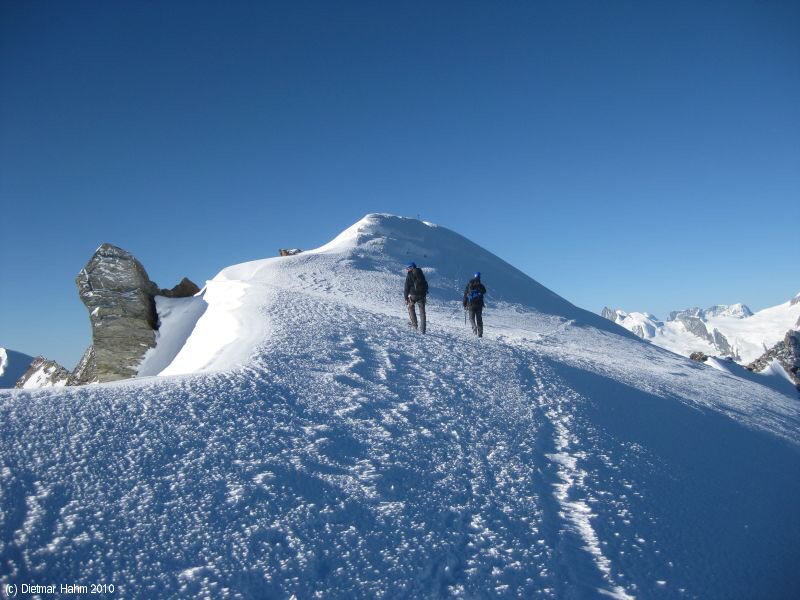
(289, 435)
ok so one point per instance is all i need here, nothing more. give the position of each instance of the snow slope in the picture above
(773, 375)
(314, 446)
(13, 365)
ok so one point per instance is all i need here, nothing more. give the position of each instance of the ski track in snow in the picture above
(355, 458)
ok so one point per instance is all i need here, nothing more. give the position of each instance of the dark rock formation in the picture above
(795, 300)
(85, 370)
(185, 288)
(698, 356)
(119, 295)
(288, 251)
(787, 353)
(43, 373)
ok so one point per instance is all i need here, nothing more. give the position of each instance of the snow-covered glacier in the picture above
(298, 440)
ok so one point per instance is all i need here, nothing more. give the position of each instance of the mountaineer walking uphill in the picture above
(415, 291)
(473, 301)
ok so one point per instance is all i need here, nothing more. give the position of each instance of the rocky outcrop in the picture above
(119, 295)
(678, 315)
(721, 342)
(288, 251)
(698, 356)
(85, 370)
(795, 300)
(116, 290)
(696, 326)
(184, 289)
(609, 314)
(787, 353)
(43, 373)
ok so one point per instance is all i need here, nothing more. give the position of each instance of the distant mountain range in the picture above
(726, 330)
(766, 342)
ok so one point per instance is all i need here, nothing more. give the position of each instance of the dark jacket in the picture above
(474, 284)
(416, 285)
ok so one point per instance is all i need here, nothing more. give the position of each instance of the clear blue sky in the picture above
(644, 155)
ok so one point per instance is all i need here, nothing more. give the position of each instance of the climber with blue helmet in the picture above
(473, 302)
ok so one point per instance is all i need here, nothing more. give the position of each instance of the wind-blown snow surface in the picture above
(353, 458)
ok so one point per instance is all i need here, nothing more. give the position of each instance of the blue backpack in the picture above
(474, 296)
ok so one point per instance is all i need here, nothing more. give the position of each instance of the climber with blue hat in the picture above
(415, 292)
(473, 301)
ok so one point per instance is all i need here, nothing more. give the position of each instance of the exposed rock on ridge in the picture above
(83, 372)
(185, 288)
(787, 353)
(698, 356)
(119, 295)
(611, 315)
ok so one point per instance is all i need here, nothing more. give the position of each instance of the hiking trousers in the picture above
(412, 313)
(476, 320)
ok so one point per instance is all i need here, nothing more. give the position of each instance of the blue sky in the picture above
(640, 155)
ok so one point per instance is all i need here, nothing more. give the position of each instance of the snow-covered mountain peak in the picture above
(362, 266)
(382, 244)
(734, 311)
(641, 324)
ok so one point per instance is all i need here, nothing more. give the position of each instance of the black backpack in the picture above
(420, 283)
